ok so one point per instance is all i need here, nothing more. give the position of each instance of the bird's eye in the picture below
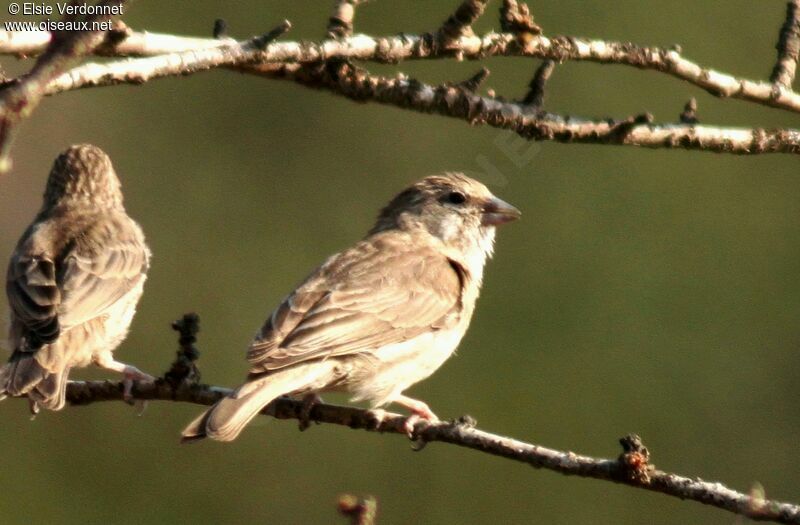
(456, 197)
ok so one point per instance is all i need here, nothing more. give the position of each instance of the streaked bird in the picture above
(378, 317)
(73, 281)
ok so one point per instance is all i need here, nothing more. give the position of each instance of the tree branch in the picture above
(631, 468)
(315, 65)
(18, 99)
(788, 47)
(529, 122)
(410, 94)
(392, 50)
(340, 24)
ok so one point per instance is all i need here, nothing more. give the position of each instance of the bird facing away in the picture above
(378, 317)
(73, 281)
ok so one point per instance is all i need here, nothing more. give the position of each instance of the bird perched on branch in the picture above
(378, 317)
(73, 281)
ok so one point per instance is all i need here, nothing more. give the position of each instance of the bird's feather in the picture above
(382, 291)
(226, 419)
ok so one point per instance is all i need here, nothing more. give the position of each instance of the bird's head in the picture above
(83, 174)
(459, 211)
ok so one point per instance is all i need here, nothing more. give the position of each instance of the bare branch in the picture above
(20, 98)
(220, 29)
(631, 468)
(788, 47)
(689, 115)
(459, 24)
(474, 82)
(452, 101)
(340, 24)
(32, 43)
(535, 96)
(516, 17)
(199, 54)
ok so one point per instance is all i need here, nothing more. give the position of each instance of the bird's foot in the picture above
(309, 401)
(376, 417)
(130, 375)
(420, 411)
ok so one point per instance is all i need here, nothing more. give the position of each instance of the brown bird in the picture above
(378, 317)
(73, 281)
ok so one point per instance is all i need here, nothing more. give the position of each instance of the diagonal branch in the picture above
(20, 98)
(456, 102)
(535, 95)
(396, 49)
(631, 468)
(460, 22)
(340, 24)
(354, 83)
(788, 47)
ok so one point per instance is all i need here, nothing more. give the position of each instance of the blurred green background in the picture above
(647, 291)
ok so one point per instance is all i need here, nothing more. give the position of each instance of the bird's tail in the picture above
(226, 419)
(24, 375)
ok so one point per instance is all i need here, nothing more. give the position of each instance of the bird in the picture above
(73, 281)
(378, 317)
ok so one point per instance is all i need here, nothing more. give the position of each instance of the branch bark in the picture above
(18, 99)
(788, 47)
(314, 65)
(393, 50)
(284, 60)
(630, 468)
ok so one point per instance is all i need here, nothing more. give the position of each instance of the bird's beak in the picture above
(497, 211)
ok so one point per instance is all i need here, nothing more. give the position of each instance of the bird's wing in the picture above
(95, 277)
(33, 296)
(379, 292)
(51, 289)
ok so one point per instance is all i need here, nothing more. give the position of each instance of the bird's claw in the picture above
(376, 417)
(409, 425)
(130, 375)
(309, 401)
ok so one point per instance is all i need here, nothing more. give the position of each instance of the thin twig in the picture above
(19, 99)
(474, 82)
(535, 95)
(459, 24)
(516, 17)
(195, 54)
(415, 95)
(788, 47)
(625, 470)
(689, 115)
(340, 24)
(452, 101)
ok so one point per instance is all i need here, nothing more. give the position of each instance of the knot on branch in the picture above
(340, 24)
(114, 37)
(623, 128)
(460, 23)
(634, 459)
(184, 369)
(465, 421)
(474, 82)
(261, 42)
(220, 29)
(535, 95)
(516, 17)
(689, 114)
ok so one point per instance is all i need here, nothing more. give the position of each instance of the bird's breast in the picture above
(393, 368)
